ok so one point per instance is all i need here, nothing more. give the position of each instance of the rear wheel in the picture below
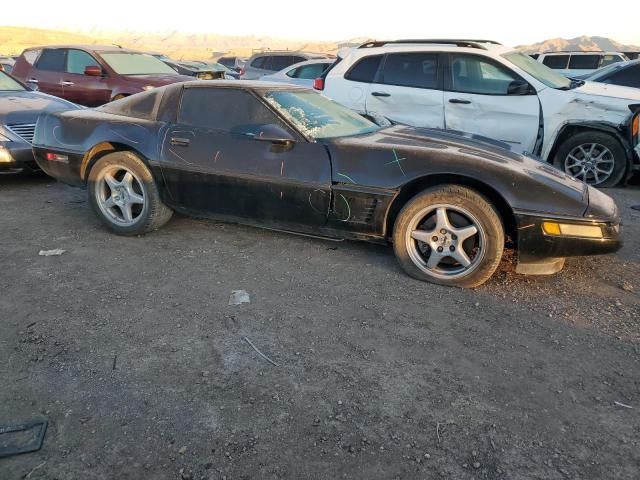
(595, 158)
(124, 195)
(449, 235)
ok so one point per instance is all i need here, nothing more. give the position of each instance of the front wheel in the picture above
(124, 195)
(449, 235)
(595, 158)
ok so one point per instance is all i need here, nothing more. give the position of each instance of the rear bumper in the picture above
(65, 168)
(535, 246)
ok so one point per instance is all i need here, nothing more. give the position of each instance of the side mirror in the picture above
(270, 133)
(519, 87)
(93, 71)
(32, 86)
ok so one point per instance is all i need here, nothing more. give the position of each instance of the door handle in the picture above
(180, 142)
(66, 84)
(380, 94)
(32, 80)
(459, 100)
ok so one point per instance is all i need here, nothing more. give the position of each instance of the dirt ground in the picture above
(129, 347)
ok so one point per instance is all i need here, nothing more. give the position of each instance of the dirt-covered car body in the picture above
(269, 172)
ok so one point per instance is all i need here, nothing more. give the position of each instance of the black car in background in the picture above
(287, 158)
(625, 74)
(19, 110)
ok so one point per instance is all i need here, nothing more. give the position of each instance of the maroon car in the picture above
(92, 75)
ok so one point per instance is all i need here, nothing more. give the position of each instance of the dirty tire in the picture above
(461, 202)
(150, 216)
(589, 138)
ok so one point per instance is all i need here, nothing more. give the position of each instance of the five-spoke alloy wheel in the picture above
(120, 195)
(449, 235)
(124, 195)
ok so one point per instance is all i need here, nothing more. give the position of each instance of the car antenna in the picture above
(116, 45)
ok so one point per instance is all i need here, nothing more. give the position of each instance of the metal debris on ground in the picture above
(239, 296)
(259, 352)
(51, 253)
(22, 438)
(623, 405)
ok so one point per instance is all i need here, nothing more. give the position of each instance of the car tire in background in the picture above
(596, 158)
(124, 195)
(449, 235)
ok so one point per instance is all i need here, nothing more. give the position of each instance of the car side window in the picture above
(479, 75)
(31, 55)
(627, 77)
(557, 62)
(609, 59)
(258, 62)
(78, 60)
(279, 62)
(51, 60)
(310, 72)
(223, 109)
(419, 70)
(364, 70)
(584, 62)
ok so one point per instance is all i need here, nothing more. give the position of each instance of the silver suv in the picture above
(265, 63)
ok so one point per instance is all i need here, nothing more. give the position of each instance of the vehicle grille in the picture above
(23, 130)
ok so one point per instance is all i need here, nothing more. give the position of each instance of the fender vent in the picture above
(24, 130)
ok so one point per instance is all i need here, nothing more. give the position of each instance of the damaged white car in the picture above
(589, 130)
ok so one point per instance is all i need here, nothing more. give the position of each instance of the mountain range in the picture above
(583, 43)
(180, 45)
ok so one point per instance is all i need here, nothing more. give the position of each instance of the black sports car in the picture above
(19, 110)
(287, 158)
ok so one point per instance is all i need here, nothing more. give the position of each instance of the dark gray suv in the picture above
(268, 62)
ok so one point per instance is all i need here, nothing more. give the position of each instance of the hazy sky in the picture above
(510, 22)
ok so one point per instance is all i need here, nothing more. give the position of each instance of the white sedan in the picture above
(303, 73)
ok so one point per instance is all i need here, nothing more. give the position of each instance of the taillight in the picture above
(55, 157)
(318, 83)
(635, 127)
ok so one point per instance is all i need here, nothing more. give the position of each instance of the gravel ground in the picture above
(130, 349)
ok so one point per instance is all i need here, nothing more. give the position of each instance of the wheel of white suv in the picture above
(595, 158)
(449, 235)
(124, 195)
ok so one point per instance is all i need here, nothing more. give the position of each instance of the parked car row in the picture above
(355, 162)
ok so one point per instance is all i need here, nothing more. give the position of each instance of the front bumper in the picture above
(16, 155)
(535, 247)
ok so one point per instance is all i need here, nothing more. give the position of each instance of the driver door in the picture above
(477, 100)
(213, 163)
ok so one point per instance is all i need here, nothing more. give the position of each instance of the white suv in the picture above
(589, 130)
(571, 64)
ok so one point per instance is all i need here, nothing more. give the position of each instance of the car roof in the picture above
(488, 48)
(90, 47)
(243, 84)
(581, 52)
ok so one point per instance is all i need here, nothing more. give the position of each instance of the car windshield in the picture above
(598, 74)
(126, 63)
(9, 84)
(317, 116)
(537, 70)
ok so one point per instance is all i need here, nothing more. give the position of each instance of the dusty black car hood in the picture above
(393, 156)
(26, 106)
